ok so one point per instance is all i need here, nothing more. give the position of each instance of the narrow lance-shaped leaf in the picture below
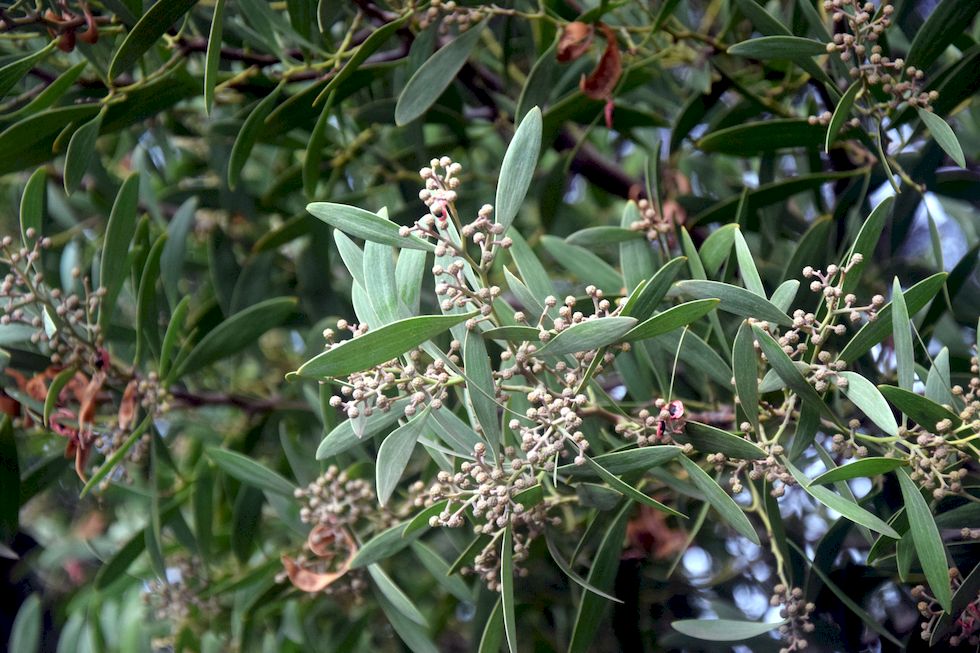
(927, 540)
(507, 588)
(236, 333)
(778, 47)
(628, 490)
(435, 76)
(213, 57)
(588, 335)
(395, 452)
(746, 265)
(366, 225)
(14, 71)
(720, 500)
(248, 134)
(921, 410)
(81, 152)
(476, 362)
(842, 112)
(517, 169)
(32, 206)
(250, 471)
(866, 396)
(904, 355)
(151, 26)
(745, 364)
(378, 345)
(723, 630)
(734, 299)
(836, 502)
(118, 235)
(863, 468)
(672, 318)
(787, 371)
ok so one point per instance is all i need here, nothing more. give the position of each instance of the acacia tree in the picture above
(448, 326)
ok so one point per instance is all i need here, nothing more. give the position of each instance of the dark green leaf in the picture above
(588, 335)
(383, 545)
(10, 499)
(32, 206)
(866, 396)
(628, 490)
(942, 26)
(584, 264)
(745, 364)
(708, 439)
(719, 500)
(788, 371)
(435, 76)
(15, 71)
(593, 236)
(650, 296)
(81, 152)
(927, 540)
(477, 364)
(768, 136)
(150, 27)
(507, 588)
(118, 235)
(248, 134)
(395, 595)
(842, 112)
(672, 318)
(778, 47)
(626, 461)
(249, 471)
(237, 332)
(920, 409)
(864, 468)
(213, 58)
(944, 135)
(54, 390)
(735, 300)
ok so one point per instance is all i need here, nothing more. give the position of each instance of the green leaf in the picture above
(115, 247)
(395, 452)
(150, 27)
(10, 490)
(588, 335)
(761, 19)
(842, 112)
(746, 264)
(634, 459)
(147, 327)
(513, 334)
(439, 570)
(435, 76)
(584, 264)
(866, 241)
(370, 45)
(507, 588)
(839, 504)
(672, 318)
(568, 571)
(110, 463)
(248, 134)
(517, 169)
(343, 436)
(379, 267)
(378, 345)
(708, 439)
(530, 268)
(493, 632)
(902, 337)
(872, 333)
(628, 490)
(784, 296)
(602, 574)
(864, 468)
(32, 206)
(723, 630)
(237, 332)
(766, 136)
(213, 57)
(383, 545)
(593, 236)
(395, 595)
(81, 152)
(944, 135)
(54, 390)
(788, 371)
(477, 364)
(718, 245)
(409, 272)
(650, 296)
(697, 354)
(778, 47)
(942, 26)
(919, 409)
(175, 249)
(167, 355)
(745, 364)
(25, 634)
(928, 542)
(938, 387)
(13, 72)
(866, 396)
(366, 225)
(734, 299)
(249, 471)
(720, 500)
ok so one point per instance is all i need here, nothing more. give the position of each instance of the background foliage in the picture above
(157, 162)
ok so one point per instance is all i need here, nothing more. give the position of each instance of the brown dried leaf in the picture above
(86, 413)
(601, 82)
(320, 542)
(575, 40)
(127, 408)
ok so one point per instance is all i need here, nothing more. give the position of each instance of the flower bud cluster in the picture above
(966, 624)
(453, 13)
(423, 383)
(857, 45)
(652, 224)
(797, 612)
(936, 464)
(63, 325)
(336, 500)
(768, 468)
(492, 495)
(970, 396)
(180, 596)
(656, 427)
(846, 445)
(554, 423)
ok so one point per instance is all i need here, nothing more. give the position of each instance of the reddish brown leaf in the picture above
(601, 82)
(127, 408)
(575, 40)
(323, 542)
